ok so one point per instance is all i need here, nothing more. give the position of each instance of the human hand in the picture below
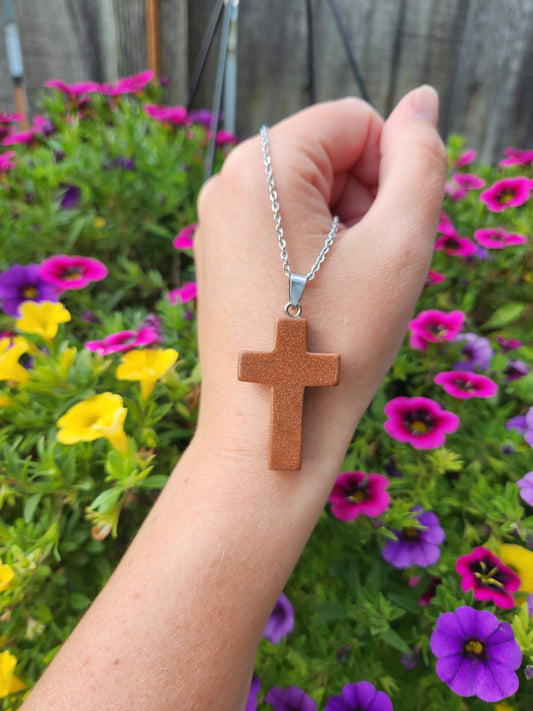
(385, 181)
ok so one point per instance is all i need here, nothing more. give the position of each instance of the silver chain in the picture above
(277, 217)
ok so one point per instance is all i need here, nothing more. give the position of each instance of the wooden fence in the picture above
(477, 53)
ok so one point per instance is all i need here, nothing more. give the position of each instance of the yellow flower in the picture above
(6, 576)
(98, 416)
(147, 366)
(10, 368)
(9, 683)
(5, 402)
(503, 706)
(520, 560)
(42, 318)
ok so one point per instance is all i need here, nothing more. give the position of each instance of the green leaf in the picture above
(29, 507)
(393, 639)
(506, 314)
(329, 612)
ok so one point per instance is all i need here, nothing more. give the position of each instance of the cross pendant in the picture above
(288, 369)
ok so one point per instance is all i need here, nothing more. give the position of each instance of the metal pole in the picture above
(204, 50)
(230, 75)
(311, 88)
(14, 58)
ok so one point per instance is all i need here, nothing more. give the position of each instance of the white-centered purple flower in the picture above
(360, 697)
(416, 545)
(525, 484)
(291, 699)
(281, 620)
(476, 654)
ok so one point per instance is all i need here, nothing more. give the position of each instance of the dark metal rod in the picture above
(204, 50)
(311, 88)
(351, 58)
(217, 99)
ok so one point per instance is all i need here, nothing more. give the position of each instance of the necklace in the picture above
(289, 368)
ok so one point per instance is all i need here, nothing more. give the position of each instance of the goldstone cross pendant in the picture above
(288, 369)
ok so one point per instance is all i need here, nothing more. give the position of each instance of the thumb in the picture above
(413, 166)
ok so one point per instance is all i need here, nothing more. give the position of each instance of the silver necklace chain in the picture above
(297, 282)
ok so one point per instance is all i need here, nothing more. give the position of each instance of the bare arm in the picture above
(178, 624)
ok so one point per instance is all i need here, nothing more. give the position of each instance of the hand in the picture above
(385, 181)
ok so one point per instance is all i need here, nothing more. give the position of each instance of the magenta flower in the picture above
(184, 238)
(420, 421)
(434, 277)
(128, 85)
(291, 699)
(476, 654)
(71, 272)
(416, 545)
(123, 341)
(507, 192)
(477, 351)
(433, 326)
(497, 238)
(185, 293)
(515, 369)
(525, 484)
(455, 246)
(485, 574)
(446, 226)
(464, 384)
(468, 181)
(225, 137)
(281, 620)
(202, 116)
(359, 697)
(467, 157)
(73, 90)
(508, 344)
(516, 156)
(454, 192)
(21, 137)
(176, 115)
(24, 283)
(5, 161)
(357, 493)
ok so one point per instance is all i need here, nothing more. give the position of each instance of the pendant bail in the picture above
(297, 284)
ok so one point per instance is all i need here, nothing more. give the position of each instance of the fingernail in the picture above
(427, 104)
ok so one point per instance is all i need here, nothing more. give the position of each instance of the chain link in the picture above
(277, 216)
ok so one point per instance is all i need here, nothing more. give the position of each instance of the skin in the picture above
(177, 626)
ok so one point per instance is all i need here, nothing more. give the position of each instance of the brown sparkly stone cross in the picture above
(288, 369)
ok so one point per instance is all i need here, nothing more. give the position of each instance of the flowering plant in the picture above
(414, 590)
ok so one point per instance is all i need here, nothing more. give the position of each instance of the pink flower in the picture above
(468, 181)
(497, 238)
(454, 192)
(446, 226)
(183, 240)
(224, 137)
(434, 277)
(128, 85)
(485, 574)
(464, 384)
(517, 156)
(21, 137)
(185, 293)
(434, 326)
(508, 344)
(455, 246)
(357, 493)
(469, 156)
(176, 115)
(123, 341)
(73, 90)
(74, 272)
(419, 421)
(507, 192)
(5, 161)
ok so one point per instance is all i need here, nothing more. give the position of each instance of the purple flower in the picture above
(434, 326)
(281, 620)
(484, 573)
(420, 421)
(71, 197)
(291, 699)
(251, 703)
(360, 697)
(476, 654)
(416, 545)
(464, 384)
(71, 272)
(514, 370)
(524, 425)
(477, 350)
(24, 283)
(357, 493)
(525, 484)
(507, 192)
(201, 116)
